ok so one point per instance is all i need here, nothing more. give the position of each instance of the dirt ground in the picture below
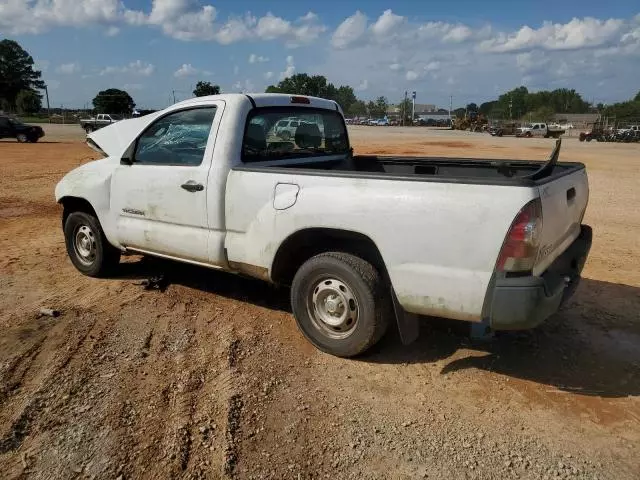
(208, 376)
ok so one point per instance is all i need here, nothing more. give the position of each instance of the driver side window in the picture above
(179, 138)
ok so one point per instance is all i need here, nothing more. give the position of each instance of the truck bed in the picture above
(437, 169)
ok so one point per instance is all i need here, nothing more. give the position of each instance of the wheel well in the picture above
(75, 204)
(304, 244)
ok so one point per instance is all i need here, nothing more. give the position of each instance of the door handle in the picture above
(192, 186)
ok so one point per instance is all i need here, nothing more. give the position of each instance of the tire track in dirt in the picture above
(44, 382)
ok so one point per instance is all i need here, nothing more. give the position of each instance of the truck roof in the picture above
(265, 100)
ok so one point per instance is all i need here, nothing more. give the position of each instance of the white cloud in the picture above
(529, 62)
(411, 75)
(253, 58)
(363, 86)
(235, 30)
(185, 70)
(395, 67)
(135, 68)
(312, 17)
(21, 16)
(42, 65)
(350, 30)
(53, 84)
(576, 34)
(245, 86)
(68, 68)
(387, 23)
(268, 75)
(289, 70)
(185, 20)
(112, 31)
(457, 34)
(133, 86)
(236, 69)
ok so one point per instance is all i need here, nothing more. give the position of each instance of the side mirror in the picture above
(128, 157)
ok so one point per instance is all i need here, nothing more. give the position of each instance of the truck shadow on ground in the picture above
(591, 347)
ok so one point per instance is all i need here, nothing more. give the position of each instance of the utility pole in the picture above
(404, 107)
(413, 107)
(46, 91)
(450, 105)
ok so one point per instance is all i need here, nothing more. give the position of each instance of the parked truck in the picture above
(539, 130)
(360, 239)
(101, 120)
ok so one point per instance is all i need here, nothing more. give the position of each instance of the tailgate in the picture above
(564, 201)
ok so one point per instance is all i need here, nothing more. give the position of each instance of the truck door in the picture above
(160, 200)
(4, 127)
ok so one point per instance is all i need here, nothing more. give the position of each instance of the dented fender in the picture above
(92, 182)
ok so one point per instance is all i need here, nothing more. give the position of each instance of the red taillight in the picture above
(520, 247)
(297, 99)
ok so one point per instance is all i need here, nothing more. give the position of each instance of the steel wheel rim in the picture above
(333, 307)
(84, 244)
(22, 137)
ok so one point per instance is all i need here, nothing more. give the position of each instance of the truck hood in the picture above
(114, 139)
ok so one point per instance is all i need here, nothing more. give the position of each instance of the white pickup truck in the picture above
(539, 130)
(360, 239)
(101, 120)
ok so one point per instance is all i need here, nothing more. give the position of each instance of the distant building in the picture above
(576, 118)
(421, 109)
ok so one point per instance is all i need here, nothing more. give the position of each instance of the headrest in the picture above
(308, 136)
(256, 138)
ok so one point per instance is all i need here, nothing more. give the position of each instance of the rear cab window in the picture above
(310, 132)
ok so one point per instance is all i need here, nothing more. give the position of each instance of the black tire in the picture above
(103, 257)
(285, 135)
(22, 138)
(88, 129)
(500, 133)
(365, 284)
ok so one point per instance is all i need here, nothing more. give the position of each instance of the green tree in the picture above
(345, 97)
(637, 97)
(206, 88)
(542, 114)
(357, 109)
(459, 112)
(16, 72)
(302, 84)
(113, 100)
(405, 110)
(472, 107)
(315, 86)
(28, 101)
(487, 108)
(379, 107)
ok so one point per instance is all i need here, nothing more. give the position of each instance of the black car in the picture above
(12, 128)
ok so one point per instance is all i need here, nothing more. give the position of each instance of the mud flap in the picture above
(407, 322)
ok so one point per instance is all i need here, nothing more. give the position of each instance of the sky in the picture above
(469, 50)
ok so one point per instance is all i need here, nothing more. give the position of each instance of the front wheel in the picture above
(22, 138)
(285, 135)
(88, 129)
(340, 303)
(87, 246)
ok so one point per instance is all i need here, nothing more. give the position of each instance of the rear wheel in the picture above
(340, 303)
(285, 135)
(87, 246)
(22, 138)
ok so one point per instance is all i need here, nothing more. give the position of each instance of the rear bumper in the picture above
(525, 302)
